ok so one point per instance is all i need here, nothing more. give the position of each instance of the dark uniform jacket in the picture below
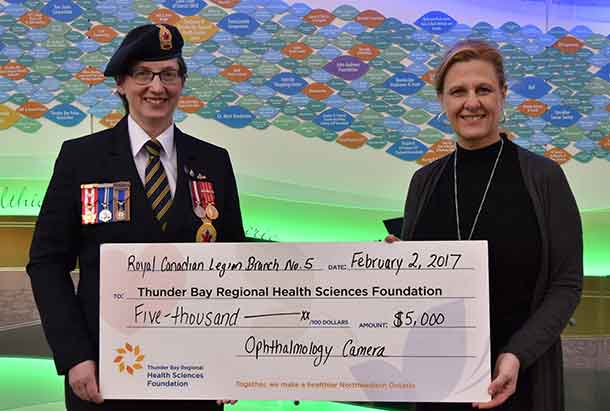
(71, 320)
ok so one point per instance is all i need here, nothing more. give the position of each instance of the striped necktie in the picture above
(156, 184)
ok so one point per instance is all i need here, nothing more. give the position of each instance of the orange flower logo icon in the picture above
(129, 358)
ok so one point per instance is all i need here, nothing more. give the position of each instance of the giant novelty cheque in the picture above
(407, 321)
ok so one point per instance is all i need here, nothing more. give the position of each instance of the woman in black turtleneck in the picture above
(490, 189)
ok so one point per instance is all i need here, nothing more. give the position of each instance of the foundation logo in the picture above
(129, 358)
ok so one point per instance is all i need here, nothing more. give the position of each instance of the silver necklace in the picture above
(455, 190)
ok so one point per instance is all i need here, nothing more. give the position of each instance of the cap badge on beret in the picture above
(165, 38)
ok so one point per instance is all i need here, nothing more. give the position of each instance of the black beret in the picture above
(151, 42)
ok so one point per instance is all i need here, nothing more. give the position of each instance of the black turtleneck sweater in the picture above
(508, 222)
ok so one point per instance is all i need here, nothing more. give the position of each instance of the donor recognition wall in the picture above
(327, 107)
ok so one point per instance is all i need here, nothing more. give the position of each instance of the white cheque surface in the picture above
(321, 321)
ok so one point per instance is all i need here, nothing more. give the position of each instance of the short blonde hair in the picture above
(468, 50)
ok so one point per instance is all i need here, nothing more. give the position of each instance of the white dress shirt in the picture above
(138, 137)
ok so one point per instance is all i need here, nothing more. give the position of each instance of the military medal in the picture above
(196, 199)
(105, 215)
(203, 202)
(105, 203)
(89, 203)
(120, 215)
(211, 212)
(121, 200)
(206, 233)
(206, 190)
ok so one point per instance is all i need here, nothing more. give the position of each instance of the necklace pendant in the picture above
(455, 191)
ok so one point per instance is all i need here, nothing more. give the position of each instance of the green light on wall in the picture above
(284, 220)
(596, 229)
(281, 220)
(21, 197)
(19, 377)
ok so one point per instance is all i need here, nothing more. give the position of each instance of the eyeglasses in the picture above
(143, 77)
